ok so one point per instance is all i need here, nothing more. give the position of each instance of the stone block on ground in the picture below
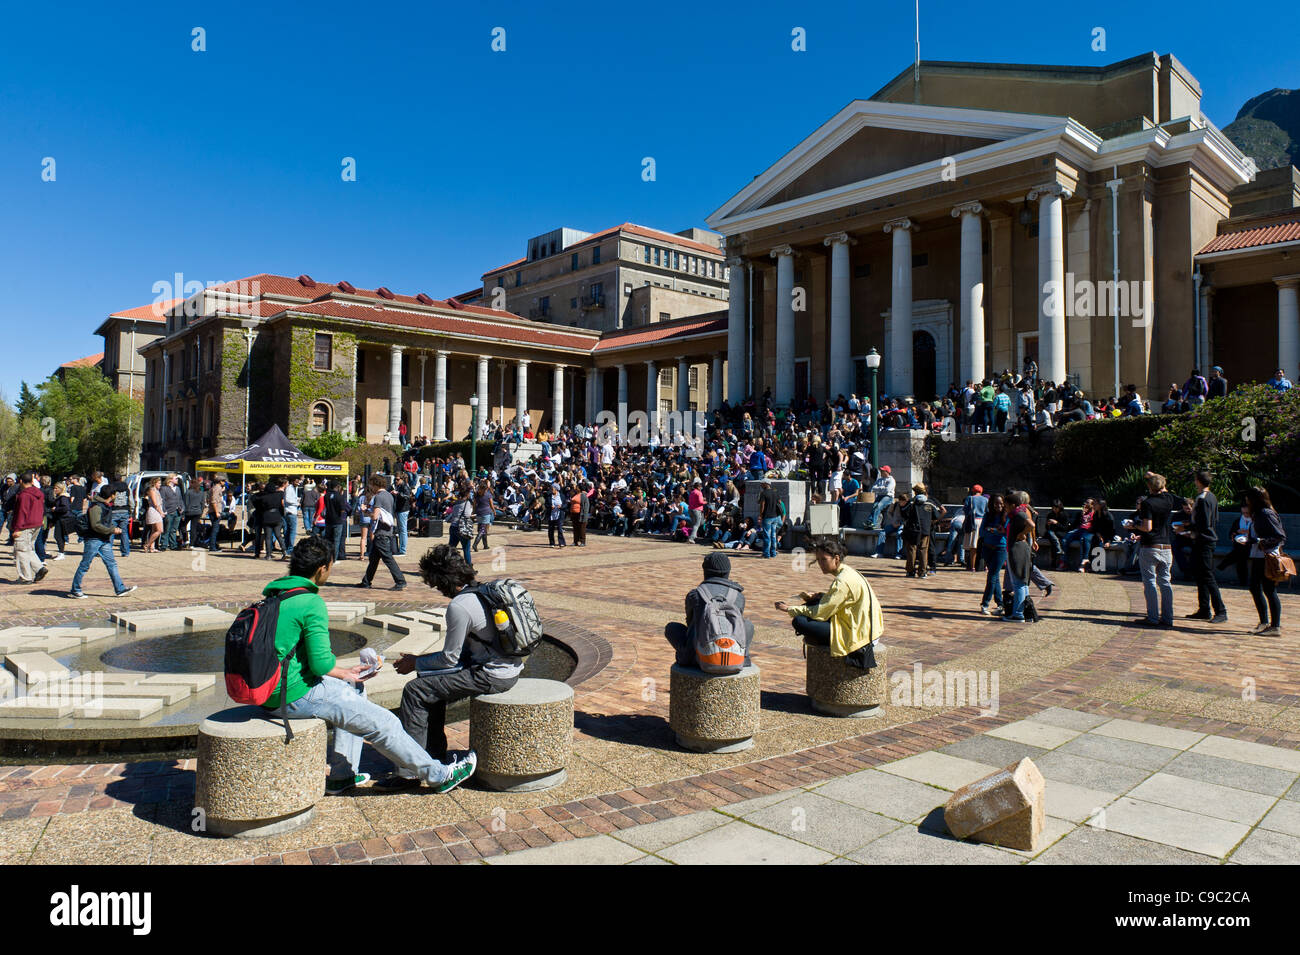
(523, 736)
(18, 644)
(837, 688)
(384, 621)
(91, 634)
(714, 713)
(209, 618)
(169, 694)
(54, 645)
(422, 641)
(249, 782)
(8, 685)
(197, 681)
(1004, 808)
(124, 708)
(33, 668)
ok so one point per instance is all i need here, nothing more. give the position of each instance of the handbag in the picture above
(1279, 567)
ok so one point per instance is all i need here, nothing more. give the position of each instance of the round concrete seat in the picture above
(523, 736)
(714, 713)
(837, 688)
(249, 783)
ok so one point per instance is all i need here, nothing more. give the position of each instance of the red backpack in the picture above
(253, 668)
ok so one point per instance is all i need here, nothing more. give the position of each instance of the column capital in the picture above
(1286, 281)
(902, 225)
(967, 208)
(781, 250)
(837, 237)
(483, 359)
(397, 349)
(734, 261)
(441, 353)
(650, 361)
(1049, 189)
(522, 362)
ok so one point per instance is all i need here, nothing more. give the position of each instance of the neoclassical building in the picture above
(988, 213)
(314, 356)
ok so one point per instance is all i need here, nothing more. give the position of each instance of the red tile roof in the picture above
(455, 325)
(148, 313)
(702, 325)
(1253, 238)
(628, 227)
(90, 361)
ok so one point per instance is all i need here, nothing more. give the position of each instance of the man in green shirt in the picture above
(317, 686)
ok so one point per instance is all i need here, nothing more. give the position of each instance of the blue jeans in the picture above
(771, 527)
(334, 534)
(290, 532)
(1085, 544)
(955, 551)
(877, 507)
(403, 519)
(104, 551)
(883, 537)
(1019, 591)
(463, 543)
(1157, 583)
(120, 524)
(41, 534)
(994, 558)
(344, 706)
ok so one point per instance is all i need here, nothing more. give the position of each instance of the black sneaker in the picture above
(337, 787)
(1047, 591)
(397, 783)
(1198, 615)
(40, 574)
(363, 583)
(1219, 618)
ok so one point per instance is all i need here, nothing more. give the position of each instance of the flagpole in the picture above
(916, 62)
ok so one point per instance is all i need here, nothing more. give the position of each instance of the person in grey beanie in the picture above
(717, 582)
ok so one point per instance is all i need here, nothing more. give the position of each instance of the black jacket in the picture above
(1205, 519)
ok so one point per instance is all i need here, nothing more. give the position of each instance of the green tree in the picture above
(21, 444)
(28, 402)
(93, 425)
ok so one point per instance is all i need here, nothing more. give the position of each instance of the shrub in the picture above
(1099, 452)
(330, 445)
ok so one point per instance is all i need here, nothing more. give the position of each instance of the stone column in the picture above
(651, 398)
(683, 384)
(971, 360)
(394, 394)
(597, 394)
(484, 409)
(715, 383)
(783, 390)
(841, 321)
(1288, 325)
(1051, 279)
(439, 396)
(737, 340)
(423, 357)
(521, 388)
(898, 368)
(622, 390)
(557, 399)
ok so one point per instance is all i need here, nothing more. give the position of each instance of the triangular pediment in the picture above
(869, 140)
(874, 151)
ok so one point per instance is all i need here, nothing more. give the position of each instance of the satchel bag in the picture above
(1279, 567)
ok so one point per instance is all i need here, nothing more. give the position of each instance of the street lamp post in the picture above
(473, 435)
(873, 365)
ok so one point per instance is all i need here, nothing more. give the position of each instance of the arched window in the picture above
(320, 419)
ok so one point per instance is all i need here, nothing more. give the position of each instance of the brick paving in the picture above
(1083, 656)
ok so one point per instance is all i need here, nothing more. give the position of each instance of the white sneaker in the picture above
(58, 557)
(123, 593)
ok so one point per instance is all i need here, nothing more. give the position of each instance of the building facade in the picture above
(944, 225)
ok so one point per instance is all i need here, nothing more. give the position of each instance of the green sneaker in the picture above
(461, 770)
(337, 787)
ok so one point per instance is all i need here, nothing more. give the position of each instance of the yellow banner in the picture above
(274, 467)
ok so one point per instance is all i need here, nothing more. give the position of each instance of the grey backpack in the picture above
(719, 636)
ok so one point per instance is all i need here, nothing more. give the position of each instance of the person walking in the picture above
(28, 517)
(1204, 534)
(383, 535)
(1155, 553)
(153, 515)
(993, 548)
(460, 520)
(483, 514)
(1266, 537)
(63, 518)
(121, 512)
(98, 542)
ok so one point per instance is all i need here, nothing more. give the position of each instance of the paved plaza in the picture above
(1157, 746)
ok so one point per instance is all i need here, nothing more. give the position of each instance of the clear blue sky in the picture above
(226, 163)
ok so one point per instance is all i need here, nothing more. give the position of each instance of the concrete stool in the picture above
(523, 736)
(714, 713)
(249, 783)
(838, 689)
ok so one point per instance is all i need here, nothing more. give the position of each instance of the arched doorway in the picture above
(924, 366)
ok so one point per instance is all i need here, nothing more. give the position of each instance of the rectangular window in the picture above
(324, 352)
(666, 377)
(656, 257)
(573, 262)
(573, 303)
(647, 255)
(595, 255)
(519, 279)
(361, 367)
(694, 377)
(545, 305)
(664, 317)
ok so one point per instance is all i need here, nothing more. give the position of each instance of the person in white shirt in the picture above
(883, 491)
(292, 505)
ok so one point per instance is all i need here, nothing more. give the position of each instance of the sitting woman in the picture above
(847, 617)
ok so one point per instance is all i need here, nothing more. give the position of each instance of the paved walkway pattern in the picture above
(1206, 703)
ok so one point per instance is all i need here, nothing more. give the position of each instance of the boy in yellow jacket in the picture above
(847, 617)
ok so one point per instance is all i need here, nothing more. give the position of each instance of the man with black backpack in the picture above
(95, 527)
(314, 684)
(474, 659)
(121, 513)
(716, 637)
